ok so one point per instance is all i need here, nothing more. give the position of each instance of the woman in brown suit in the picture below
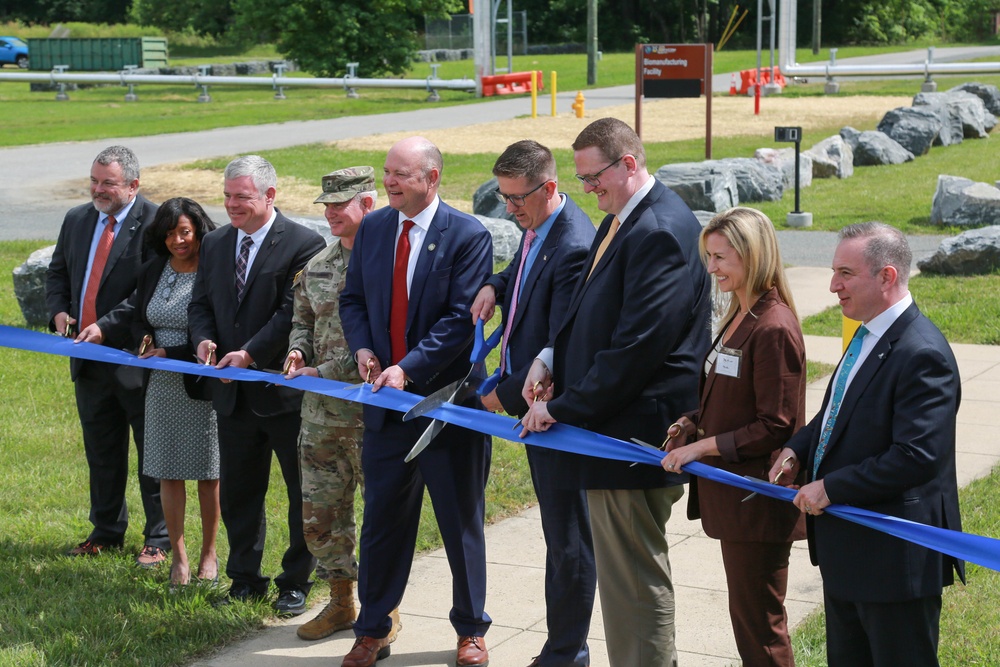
(752, 401)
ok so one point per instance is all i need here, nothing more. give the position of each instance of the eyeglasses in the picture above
(594, 180)
(516, 200)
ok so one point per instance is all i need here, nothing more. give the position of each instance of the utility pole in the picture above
(482, 41)
(591, 42)
(817, 25)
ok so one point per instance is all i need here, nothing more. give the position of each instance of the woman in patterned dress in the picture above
(181, 440)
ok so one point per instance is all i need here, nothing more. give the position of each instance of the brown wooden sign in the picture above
(673, 71)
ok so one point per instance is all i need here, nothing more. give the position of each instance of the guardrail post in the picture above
(61, 95)
(204, 96)
(352, 73)
(433, 96)
(130, 96)
(279, 71)
(929, 85)
(831, 87)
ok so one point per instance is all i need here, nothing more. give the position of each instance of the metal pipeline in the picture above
(124, 78)
(787, 15)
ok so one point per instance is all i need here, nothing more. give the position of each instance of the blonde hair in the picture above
(751, 235)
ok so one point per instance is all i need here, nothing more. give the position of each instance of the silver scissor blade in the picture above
(425, 439)
(434, 401)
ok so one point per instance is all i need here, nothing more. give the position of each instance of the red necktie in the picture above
(89, 314)
(529, 236)
(400, 299)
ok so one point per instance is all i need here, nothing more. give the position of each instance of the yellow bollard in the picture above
(553, 93)
(534, 93)
(578, 104)
(847, 329)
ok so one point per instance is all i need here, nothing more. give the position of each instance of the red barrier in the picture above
(510, 84)
(748, 79)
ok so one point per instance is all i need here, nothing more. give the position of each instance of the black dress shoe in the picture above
(240, 592)
(290, 602)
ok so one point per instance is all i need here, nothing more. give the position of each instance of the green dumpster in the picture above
(97, 54)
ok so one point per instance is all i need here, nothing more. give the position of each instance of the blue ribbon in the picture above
(984, 551)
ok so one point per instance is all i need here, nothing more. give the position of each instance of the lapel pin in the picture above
(545, 258)
(881, 355)
(431, 247)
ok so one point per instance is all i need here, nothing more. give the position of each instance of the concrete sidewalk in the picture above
(516, 554)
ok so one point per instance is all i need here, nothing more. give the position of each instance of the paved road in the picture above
(51, 178)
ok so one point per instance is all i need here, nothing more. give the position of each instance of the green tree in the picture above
(323, 36)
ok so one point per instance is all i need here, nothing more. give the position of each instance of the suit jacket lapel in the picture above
(528, 281)
(227, 263)
(869, 369)
(272, 239)
(122, 241)
(425, 260)
(583, 283)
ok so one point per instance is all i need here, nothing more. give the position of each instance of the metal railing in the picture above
(60, 77)
(787, 11)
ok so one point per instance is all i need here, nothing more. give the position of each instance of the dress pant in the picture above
(633, 574)
(454, 469)
(757, 578)
(882, 634)
(107, 410)
(570, 570)
(246, 442)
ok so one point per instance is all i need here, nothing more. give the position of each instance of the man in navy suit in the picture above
(884, 441)
(240, 315)
(623, 363)
(535, 290)
(413, 274)
(77, 296)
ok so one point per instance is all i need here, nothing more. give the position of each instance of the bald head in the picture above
(412, 174)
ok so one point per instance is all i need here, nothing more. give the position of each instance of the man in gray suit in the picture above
(93, 268)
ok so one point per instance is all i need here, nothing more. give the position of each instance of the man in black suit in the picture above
(535, 290)
(93, 269)
(624, 361)
(240, 315)
(884, 441)
(413, 274)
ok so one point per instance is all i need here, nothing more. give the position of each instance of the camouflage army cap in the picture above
(342, 185)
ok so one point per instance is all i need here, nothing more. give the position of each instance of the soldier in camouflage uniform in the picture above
(330, 435)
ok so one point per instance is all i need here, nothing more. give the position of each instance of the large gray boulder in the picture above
(965, 203)
(784, 159)
(506, 237)
(914, 128)
(29, 287)
(974, 252)
(850, 136)
(706, 186)
(875, 148)
(990, 95)
(832, 157)
(962, 114)
(485, 203)
(755, 180)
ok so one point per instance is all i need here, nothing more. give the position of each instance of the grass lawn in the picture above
(95, 113)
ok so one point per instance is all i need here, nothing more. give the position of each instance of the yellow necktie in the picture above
(615, 224)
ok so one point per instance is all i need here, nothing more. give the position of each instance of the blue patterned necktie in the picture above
(241, 266)
(853, 350)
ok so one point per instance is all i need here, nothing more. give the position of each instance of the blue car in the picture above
(14, 52)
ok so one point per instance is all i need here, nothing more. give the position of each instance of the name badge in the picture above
(728, 362)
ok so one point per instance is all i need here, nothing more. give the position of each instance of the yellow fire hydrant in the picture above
(578, 104)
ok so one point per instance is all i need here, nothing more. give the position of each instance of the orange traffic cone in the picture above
(732, 84)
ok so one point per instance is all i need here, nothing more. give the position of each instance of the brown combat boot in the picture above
(338, 615)
(397, 625)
